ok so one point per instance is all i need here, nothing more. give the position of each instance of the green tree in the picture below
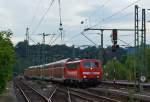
(130, 65)
(148, 63)
(115, 69)
(7, 56)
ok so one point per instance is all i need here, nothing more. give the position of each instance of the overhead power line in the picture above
(116, 13)
(125, 43)
(100, 7)
(51, 38)
(88, 38)
(51, 3)
(55, 39)
(35, 13)
(120, 17)
(35, 42)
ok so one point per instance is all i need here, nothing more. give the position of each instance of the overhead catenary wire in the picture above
(125, 43)
(116, 13)
(35, 13)
(35, 42)
(100, 7)
(120, 17)
(88, 38)
(42, 18)
(55, 39)
(51, 38)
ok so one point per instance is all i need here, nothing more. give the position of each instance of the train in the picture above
(68, 71)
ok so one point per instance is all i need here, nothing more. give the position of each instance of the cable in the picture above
(33, 40)
(116, 13)
(51, 39)
(125, 43)
(51, 3)
(35, 13)
(101, 6)
(88, 39)
(120, 17)
(55, 39)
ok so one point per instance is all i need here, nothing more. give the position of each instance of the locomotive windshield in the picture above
(90, 64)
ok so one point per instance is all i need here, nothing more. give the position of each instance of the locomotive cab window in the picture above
(90, 64)
(72, 66)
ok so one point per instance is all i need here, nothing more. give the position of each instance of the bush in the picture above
(7, 58)
(120, 70)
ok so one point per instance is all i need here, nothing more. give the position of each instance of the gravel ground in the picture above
(9, 94)
(46, 88)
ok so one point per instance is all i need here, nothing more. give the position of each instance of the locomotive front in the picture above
(91, 71)
(83, 71)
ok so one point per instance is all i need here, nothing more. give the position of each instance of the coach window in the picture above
(73, 66)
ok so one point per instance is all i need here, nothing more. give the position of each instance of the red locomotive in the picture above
(68, 71)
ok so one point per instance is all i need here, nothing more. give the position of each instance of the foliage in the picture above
(7, 56)
(148, 63)
(124, 65)
(130, 65)
(115, 69)
(38, 54)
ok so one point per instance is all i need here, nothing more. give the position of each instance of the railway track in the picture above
(29, 94)
(52, 94)
(91, 96)
(60, 93)
(124, 94)
(125, 83)
(86, 96)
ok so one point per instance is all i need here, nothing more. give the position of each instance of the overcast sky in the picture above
(17, 15)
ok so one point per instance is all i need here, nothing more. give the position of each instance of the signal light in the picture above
(114, 40)
(114, 34)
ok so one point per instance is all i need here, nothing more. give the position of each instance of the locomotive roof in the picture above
(79, 60)
(60, 61)
(69, 60)
(52, 63)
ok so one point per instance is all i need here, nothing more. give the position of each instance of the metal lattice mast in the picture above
(136, 28)
(136, 43)
(27, 42)
(143, 42)
(43, 52)
(136, 37)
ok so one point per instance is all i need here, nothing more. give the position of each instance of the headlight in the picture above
(84, 76)
(97, 76)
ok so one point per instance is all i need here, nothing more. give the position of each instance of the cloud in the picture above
(17, 15)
